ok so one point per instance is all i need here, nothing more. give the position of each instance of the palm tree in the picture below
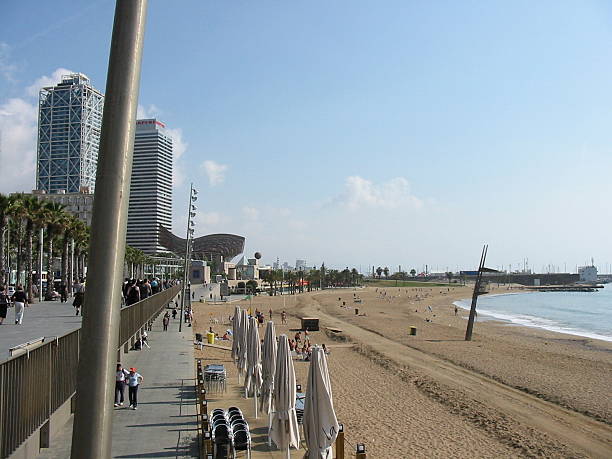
(450, 276)
(379, 271)
(386, 272)
(413, 272)
(354, 275)
(6, 203)
(54, 214)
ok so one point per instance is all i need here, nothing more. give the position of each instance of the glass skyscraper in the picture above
(69, 124)
(151, 187)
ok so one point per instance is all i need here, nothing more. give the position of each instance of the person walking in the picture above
(63, 293)
(79, 295)
(4, 304)
(20, 300)
(166, 321)
(120, 378)
(174, 313)
(134, 380)
(144, 339)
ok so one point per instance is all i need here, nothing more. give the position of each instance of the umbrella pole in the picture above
(269, 427)
(255, 398)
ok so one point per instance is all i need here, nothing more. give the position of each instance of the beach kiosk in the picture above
(310, 323)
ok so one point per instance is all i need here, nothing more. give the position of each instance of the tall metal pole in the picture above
(71, 282)
(40, 263)
(92, 432)
(470, 325)
(187, 255)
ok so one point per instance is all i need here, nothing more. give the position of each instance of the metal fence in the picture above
(35, 384)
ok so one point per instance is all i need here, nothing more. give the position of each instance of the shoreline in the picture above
(529, 321)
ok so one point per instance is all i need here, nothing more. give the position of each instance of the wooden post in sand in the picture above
(361, 451)
(481, 269)
(340, 442)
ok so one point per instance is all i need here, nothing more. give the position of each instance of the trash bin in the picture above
(210, 338)
(356, 311)
(413, 331)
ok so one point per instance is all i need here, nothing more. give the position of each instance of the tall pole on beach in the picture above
(92, 432)
(40, 263)
(481, 267)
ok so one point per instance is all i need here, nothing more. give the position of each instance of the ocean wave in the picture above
(534, 322)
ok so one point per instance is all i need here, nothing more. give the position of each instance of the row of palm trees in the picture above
(22, 217)
(314, 279)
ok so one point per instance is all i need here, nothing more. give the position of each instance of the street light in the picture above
(188, 247)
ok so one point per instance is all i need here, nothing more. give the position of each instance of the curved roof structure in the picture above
(227, 245)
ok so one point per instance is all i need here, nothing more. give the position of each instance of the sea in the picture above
(587, 314)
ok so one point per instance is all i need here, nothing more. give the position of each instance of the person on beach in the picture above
(4, 304)
(456, 310)
(134, 380)
(120, 378)
(20, 301)
(283, 318)
(270, 311)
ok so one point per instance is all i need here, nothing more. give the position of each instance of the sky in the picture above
(354, 132)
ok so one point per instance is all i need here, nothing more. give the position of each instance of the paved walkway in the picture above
(165, 424)
(49, 318)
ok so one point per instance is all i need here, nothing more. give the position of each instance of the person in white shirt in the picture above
(120, 378)
(134, 379)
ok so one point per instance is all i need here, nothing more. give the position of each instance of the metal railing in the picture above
(36, 383)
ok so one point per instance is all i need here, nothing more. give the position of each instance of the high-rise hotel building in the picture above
(69, 124)
(151, 188)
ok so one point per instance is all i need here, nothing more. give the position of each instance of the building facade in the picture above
(588, 273)
(78, 204)
(151, 187)
(69, 124)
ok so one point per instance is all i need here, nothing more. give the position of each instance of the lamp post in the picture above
(190, 214)
(40, 264)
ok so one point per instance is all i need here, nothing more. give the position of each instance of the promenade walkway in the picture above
(165, 424)
(49, 318)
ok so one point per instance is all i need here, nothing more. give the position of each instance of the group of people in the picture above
(135, 290)
(19, 300)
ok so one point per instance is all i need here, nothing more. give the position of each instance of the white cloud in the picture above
(6, 68)
(362, 193)
(250, 213)
(46, 80)
(18, 122)
(151, 111)
(214, 171)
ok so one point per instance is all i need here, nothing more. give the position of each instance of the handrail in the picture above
(35, 384)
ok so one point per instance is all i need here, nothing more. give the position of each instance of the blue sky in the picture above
(358, 132)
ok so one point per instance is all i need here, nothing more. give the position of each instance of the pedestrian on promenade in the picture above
(133, 293)
(63, 293)
(134, 379)
(79, 295)
(166, 321)
(144, 339)
(4, 304)
(283, 317)
(120, 378)
(21, 301)
(174, 313)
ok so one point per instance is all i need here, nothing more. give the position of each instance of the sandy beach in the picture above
(512, 391)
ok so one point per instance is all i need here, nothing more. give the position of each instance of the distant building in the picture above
(300, 265)
(69, 124)
(78, 204)
(587, 273)
(151, 187)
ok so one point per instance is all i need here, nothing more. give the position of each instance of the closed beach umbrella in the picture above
(319, 421)
(252, 383)
(284, 427)
(268, 367)
(242, 350)
(236, 333)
